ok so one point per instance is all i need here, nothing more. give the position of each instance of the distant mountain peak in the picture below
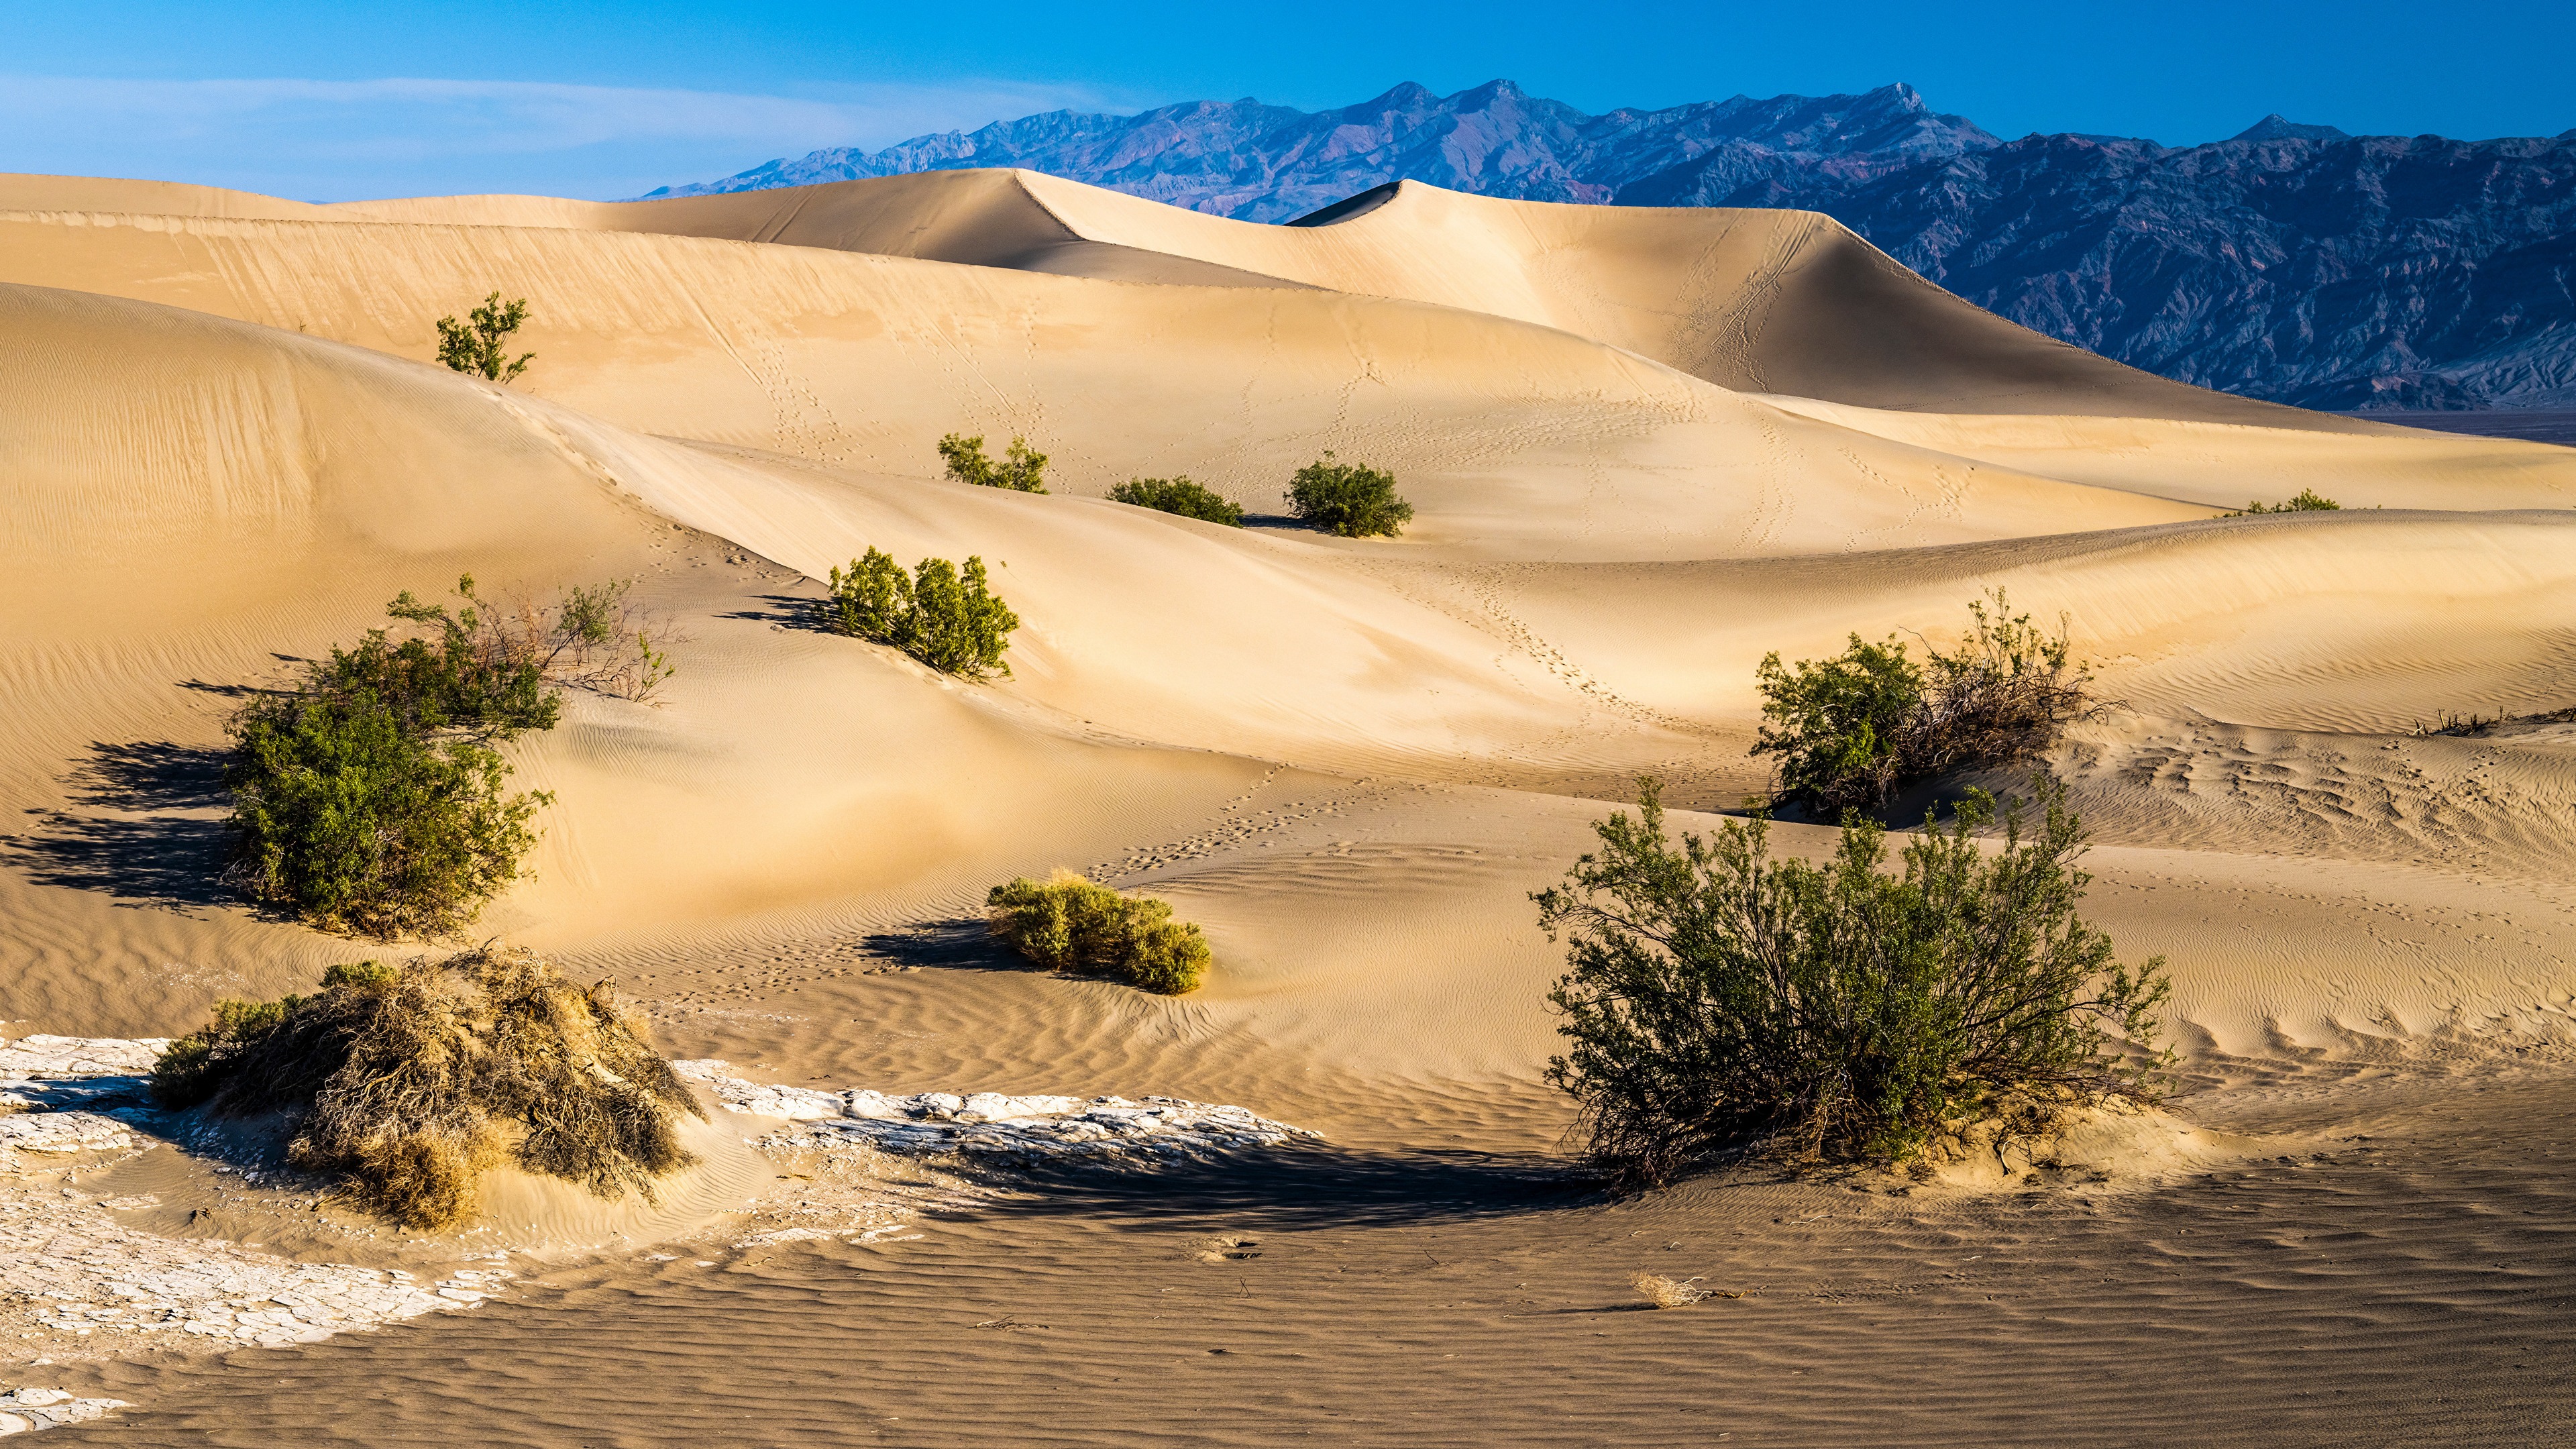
(2277, 127)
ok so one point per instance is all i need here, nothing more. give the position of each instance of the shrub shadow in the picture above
(143, 829)
(788, 611)
(1308, 1186)
(959, 943)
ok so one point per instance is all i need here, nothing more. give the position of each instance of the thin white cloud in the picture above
(340, 139)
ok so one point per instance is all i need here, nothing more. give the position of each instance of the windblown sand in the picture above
(1645, 448)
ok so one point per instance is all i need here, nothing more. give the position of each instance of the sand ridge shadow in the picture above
(142, 828)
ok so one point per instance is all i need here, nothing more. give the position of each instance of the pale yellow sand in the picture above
(1646, 448)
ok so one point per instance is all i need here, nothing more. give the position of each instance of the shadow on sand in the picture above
(145, 827)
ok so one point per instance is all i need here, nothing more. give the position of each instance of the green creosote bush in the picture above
(1020, 470)
(1068, 923)
(1179, 496)
(2308, 501)
(949, 620)
(1351, 499)
(480, 345)
(369, 798)
(410, 1082)
(1853, 730)
(1722, 1004)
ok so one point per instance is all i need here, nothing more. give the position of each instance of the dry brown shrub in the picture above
(412, 1082)
(1666, 1292)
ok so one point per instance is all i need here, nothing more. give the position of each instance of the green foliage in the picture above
(949, 620)
(410, 1082)
(2308, 501)
(1180, 496)
(348, 815)
(1067, 923)
(480, 345)
(1351, 499)
(369, 799)
(1853, 730)
(1021, 469)
(1720, 1002)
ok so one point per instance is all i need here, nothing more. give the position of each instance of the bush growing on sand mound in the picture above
(1723, 1003)
(2308, 501)
(1180, 496)
(1067, 923)
(949, 620)
(369, 799)
(411, 1082)
(480, 345)
(1853, 730)
(1351, 499)
(1021, 470)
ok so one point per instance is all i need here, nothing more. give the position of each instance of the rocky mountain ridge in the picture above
(2292, 262)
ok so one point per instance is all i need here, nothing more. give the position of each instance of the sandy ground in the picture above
(1645, 449)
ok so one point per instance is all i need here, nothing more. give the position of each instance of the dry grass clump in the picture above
(1666, 1292)
(411, 1082)
(1067, 923)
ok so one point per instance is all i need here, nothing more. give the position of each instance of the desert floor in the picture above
(1645, 449)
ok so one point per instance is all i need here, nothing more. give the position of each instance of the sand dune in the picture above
(1645, 448)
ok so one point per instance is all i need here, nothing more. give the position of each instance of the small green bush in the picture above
(2308, 501)
(368, 799)
(1351, 499)
(347, 815)
(410, 1082)
(1180, 496)
(1020, 470)
(1067, 923)
(949, 620)
(1853, 730)
(1721, 1003)
(480, 345)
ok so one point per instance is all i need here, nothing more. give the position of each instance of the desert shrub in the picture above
(1067, 923)
(1020, 470)
(948, 619)
(1351, 499)
(2307, 501)
(369, 799)
(409, 1083)
(1721, 1003)
(1853, 730)
(480, 345)
(1180, 496)
(354, 820)
(588, 636)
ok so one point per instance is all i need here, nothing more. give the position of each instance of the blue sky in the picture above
(613, 97)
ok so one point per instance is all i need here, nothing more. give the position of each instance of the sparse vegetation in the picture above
(1068, 923)
(480, 345)
(1666, 1292)
(949, 620)
(370, 799)
(2307, 501)
(1180, 496)
(1852, 731)
(411, 1082)
(1351, 499)
(1021, 469)
(1721, 1003)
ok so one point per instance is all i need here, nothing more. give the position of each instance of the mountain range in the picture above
(2291, 262)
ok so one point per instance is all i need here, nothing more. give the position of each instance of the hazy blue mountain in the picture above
(2290, 261)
